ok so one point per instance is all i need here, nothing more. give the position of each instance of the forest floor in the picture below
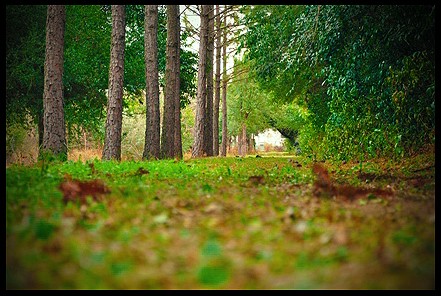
(222, 223)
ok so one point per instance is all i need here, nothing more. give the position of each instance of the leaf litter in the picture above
(223, 223)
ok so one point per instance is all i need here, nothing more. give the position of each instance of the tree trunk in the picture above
(170, 94)
(177, 117)
(208, 139)
(152, 131)
(239, 143)
(40, 130)
(198, 144)
(224, 91)
(217, 86)
(243, 143)
(251, 144)
(54, 131)
(112, 141)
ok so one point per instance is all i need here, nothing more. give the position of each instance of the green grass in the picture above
(204, 224)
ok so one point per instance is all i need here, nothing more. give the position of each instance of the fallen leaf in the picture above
(161, 218)
(288, 216)
(213, 208)
(300, 226)
(340, 235)
(256, 180)
(142, 171)
(323, 185)
(75, 190)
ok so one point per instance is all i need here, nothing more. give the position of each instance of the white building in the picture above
(268, 137)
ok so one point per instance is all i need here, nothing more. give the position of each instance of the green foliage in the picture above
(213, 275)
(134, 74)
(246, 103)
(365, 73)
(46, 157)
(361, 104)
(289, 115)
(215, 269)
(310, 139)
(250, 104)
(289, 119)
(413, 96)
(43, 229)
(25, 52)
(133, 135)
(133, 129)
(269, 30)
(86, 64)
(87, 48)
(187, 124)
(188, 73)
(15, 136)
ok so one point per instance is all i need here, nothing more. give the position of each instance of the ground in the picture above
(221, 223)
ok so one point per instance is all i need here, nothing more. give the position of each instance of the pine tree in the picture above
(112, 141)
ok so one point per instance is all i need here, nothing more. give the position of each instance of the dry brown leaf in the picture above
(323, 185)
(142, 171)
(75, 190)
(213, 208)
(340, 235)
(256, 180)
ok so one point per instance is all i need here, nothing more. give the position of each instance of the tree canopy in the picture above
(342, 81)
(87, 53)
(365, 73)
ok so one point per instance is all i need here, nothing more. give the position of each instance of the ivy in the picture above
(365, 74)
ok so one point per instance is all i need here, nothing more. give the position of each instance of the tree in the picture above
(223, 151)
(199, 141)
(112, 141)
(269, 28)
(208, 129)
(85, 74)
(366, 74)
(248, 105)
(152, 132)
(25, 55)
(177, 117)
(217, 85)
(171, 95)
(54, 136)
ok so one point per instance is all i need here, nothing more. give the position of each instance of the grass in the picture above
(205, 224)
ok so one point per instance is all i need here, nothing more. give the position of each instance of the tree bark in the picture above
(243, 143)
(171, 95)
(208, 139)
(152, 131)
(40, 130)
(178, 136)
(217, 86)
(224, 91)
(112, 141)
(54, 130)
(251, 144)
(198, 144)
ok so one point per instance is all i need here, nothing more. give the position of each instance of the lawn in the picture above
(220, 223)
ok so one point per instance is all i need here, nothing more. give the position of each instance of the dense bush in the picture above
(365, 73)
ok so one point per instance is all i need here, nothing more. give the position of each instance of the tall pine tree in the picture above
(152, 132)
(54, 135)
(112, 141)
